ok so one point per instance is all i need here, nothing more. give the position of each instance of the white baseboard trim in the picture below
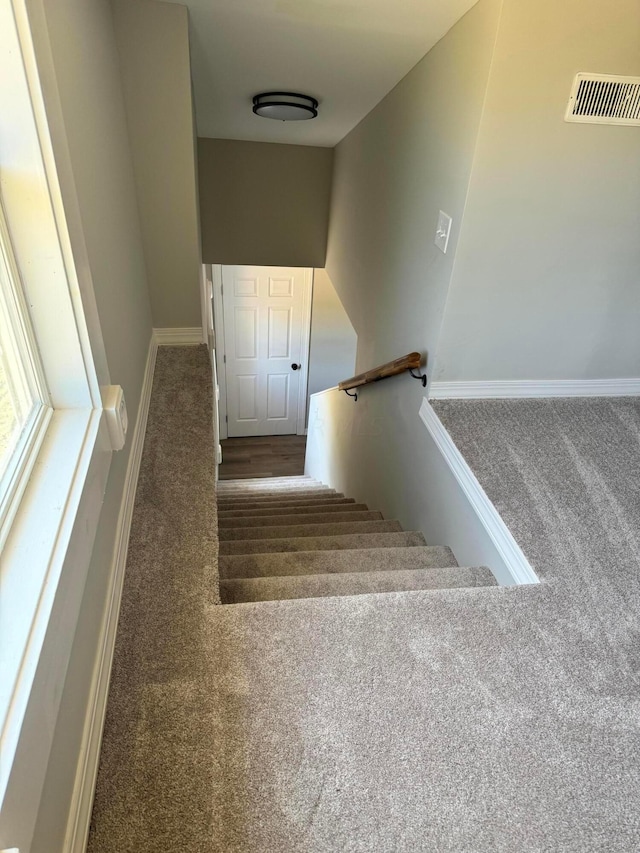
(84, 788)
(515, 561)
(189, 336)
(507, 389)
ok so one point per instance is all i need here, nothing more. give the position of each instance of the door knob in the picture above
(296, 366)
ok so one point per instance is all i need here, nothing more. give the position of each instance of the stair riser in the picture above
(284, 494)
(271, 488)
(260, 481)
(319, 562)
(363, 583)
(314, 509)
(277, 505)
(287, 520)
(323, 543)
(299, 530)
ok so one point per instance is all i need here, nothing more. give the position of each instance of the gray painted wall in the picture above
(153, 43)
(546, 282)
(86, 62)
(333, 342)
(409, 158)
(262, 203)
(360, 449)
(541, 276)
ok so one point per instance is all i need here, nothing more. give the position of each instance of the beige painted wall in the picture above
(262, 203)
(86, 65)
(547, 276)
(409, 158)
(333, 342)
(153, 42)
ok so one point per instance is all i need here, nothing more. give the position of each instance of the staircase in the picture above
(292, 537)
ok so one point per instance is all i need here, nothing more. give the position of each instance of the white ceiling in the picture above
(346, 53)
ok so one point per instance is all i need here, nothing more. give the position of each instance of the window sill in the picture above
(44, 563)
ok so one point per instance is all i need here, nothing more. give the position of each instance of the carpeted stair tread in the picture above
(229, 487)
(295, 531)
(274, 503)
(272, 549)
(240, 477)
(297, 518)
(278, 511)
(262, 481)
(280, 494)
(354, 583)
(307, 486)
(268, 483)
(333, 561)
(404, 539)
(281, 500)
(235, 489)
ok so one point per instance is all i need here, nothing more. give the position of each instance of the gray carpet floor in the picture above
(501, 719)
(156, 775)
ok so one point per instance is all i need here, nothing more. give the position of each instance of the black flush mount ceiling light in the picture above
(285, 106)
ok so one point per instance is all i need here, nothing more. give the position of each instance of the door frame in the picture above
(220, 348)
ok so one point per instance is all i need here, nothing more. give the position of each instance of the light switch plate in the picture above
(443, 230)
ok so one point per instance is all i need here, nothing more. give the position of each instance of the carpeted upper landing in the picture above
(565, 476)
(475, 720)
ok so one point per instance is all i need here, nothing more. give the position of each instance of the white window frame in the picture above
(24, 350)
(47, 549)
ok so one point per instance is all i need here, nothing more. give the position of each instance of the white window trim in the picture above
(24, 348)
(37, 550)
(47, 551)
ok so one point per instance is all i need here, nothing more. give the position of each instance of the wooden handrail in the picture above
(391, 368)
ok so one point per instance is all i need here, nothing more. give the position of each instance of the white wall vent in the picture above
(604, 99)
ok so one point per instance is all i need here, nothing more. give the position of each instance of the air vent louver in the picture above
(604, 99)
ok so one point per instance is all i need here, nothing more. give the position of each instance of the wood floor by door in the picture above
(269, 456)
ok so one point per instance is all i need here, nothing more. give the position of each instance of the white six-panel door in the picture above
(266, 329)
